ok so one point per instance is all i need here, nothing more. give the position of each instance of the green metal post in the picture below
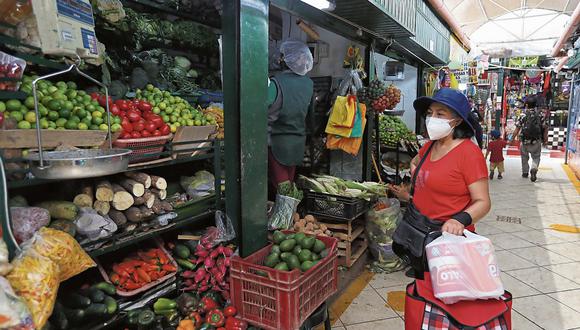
(368, 133)
(245, 76)
(500, 91)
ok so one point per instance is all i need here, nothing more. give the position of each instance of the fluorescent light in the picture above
(321, 4)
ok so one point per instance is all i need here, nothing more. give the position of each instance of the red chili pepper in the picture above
(207, 304)
(233, 323)
(143, 276)
(230, 311)
(215, 317)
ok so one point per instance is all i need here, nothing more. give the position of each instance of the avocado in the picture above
(305, 255)
(284, 255)
(181, 251)
(315, 257)
(307, 243)
(278, 237)
(111, 304)
(293, 262)
(272, 260)
(290, 236)
(281, 266)
(275, 249)
(287, 245)
(296, 250)
(306, 265)
(299, 236)
(318, 246)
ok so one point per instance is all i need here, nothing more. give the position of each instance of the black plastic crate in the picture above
(335, 207)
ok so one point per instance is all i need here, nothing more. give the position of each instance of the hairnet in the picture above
(297, 56)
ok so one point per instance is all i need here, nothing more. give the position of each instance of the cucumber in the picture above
(181, 251)
(58, 317)
(96, 295)
(192, 244)
(60, 209)
(96, 310)
(185, 263)
(75, 300)
(111, 304)
(107, 288)
(74, 315)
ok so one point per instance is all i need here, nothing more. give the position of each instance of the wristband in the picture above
(464, 218)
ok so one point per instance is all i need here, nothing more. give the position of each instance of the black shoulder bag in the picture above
(415, 230)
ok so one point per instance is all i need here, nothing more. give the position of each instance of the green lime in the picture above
(117, 120)
(173, 118)
(61, 85)
(156, 110)
(24, 125)
(115, 128)
(86, 98)
(54, 105)
(71, 94)
(95, 103)
(68, 105)
(53, 115)
(30, 117)
(101, 109)
(46, 100)
(60, 128)
(29, 102)
(177, 124)
(2, 106)
(79, 99)
(150, 87)
(64, 113)
(97, 114)
(190, 122)
(104, 127)
(81, 112)
(83, 126)
(51, 125)
(71, 124)
(52, 89)
(42, 110)
(59, 96)
(44, 123)
(97, 120)
(60, 122)
(90, 107)
(165, 118)
(87, 121)
(198, 123)
(17, 115)
(82, 93)
(13, 105)
(94, 127)
(71, 85)
(75, 118)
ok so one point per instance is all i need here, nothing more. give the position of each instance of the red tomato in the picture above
(125, 135)
(138, 126)
(230, 311)
(157, 121)
(144, 106)
(150, 127)
(133, 116)
(135, 135)
(165, 130)
(122, 104)
(127, 127)
(156, 133)
(114, 109)
(146, 134)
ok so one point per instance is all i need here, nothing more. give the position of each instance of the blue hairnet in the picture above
(495, 133)
(297, 56)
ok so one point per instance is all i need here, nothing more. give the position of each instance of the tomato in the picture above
(133, 116)
(127, 127)
(144, 106)
(165, 130)
(157, 121)
(150, 127)
(230, 311)
(146, 134)
(138, 126)
(122, 104)
(114, 109)
(125, 135)
(156, 133)
(94, 95)
(135, 135)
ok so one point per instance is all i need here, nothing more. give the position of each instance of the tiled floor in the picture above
(541, 267)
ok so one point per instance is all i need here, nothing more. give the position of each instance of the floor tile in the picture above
(521, 323)
(517, 288)
(542, 280)
(507, 227)
(484, 228)
(540, 256)
(538, 237)
(508, 241)
(390, 324)
(569, 298)
(389, 280)
(570, 271)
(368, 306)
(338, 328)
(510, 261)
(546, 312)
(568, 250)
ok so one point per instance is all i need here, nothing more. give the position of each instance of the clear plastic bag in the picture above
(463, 268)
(200, 185)
(27, 220)
(35, 279)
(62, 249)
(222, 232)
(94, 226)
(11, 67)
(284, 210)
(13, 311)
(381, 223)
(351, 82)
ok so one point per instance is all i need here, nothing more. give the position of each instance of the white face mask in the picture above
(438, 128)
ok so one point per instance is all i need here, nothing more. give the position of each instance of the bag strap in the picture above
(412, 192)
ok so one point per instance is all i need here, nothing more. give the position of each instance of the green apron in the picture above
(289, 130)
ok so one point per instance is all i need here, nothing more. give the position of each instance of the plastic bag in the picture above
(94, 226)
(463, 268)
(62, 249)
(27, 220)
(284, 209)
(5, 266)
(200, 185)
(381, 223)
(223, 231)
(351, 82)
(297, 56)
(13, 311)
(11, 67)
(35, 279)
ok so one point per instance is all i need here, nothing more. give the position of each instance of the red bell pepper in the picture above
(215, 317)
(207, 304)
(196, 318)
(230, 311)
(233, 323)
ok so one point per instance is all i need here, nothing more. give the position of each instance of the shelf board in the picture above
(202, 210)
(9, 95)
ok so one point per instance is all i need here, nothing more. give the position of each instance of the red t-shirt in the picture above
(496, 150)
(441, 189)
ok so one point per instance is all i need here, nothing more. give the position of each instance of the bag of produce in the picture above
(200, 185)
(287, 200)
(5, 266)
(225, 228)
(62, 249)
(27, 220)
(13, 312)
(93, 225)
(380, 225)
(35, 279)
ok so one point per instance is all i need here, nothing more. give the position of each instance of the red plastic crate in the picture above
(145, 146)
(277, 299)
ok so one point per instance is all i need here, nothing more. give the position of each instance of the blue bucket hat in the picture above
(452, 98)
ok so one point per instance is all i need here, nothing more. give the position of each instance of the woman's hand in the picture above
(401, 192)
(453, 226)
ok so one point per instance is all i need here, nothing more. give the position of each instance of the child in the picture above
(495, 148)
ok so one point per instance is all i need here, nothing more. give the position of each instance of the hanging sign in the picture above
(524, 62)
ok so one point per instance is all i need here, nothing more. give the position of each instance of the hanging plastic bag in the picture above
(284, 209)
(63, 250)
(13, 311)
(381, 222)
(463, 268)
(27, 220)
(222, 232)
(351, 82)
(35, 279)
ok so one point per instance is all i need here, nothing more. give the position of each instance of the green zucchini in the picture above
(106, 287)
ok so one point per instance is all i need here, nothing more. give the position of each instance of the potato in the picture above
(296, 217)
(309, 218)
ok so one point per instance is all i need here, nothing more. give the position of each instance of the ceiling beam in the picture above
(545, 23)
(482, 9)
(513, 41)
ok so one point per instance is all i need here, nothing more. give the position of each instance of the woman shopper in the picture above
(449, 189)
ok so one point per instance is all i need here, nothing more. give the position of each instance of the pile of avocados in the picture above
(295, 251)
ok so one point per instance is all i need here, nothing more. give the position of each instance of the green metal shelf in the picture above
(9, 95)
(35, 59)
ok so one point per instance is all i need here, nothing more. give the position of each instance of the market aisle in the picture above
(541, 267)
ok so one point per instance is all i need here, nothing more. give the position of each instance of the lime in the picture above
(81, 112)
(156, 110)
(165, 118)
(61, 85)
(13, 105)
(101, 109)
(29, 102)
(24, 125)
(86, 98)
(64, 113)
(104, 127)
(117, 120)
(51, 125)
(177, 124)
(60, 128)
(82, 93)
(197, 123)
(150, 87)
(53, 115)
(17, 115)
(30, 117)
(95, 103)
(97, 114)
(33, 125)
(115, 128)
(60, 122)
(182, 121)
(68, 105)
(46, 100)
(83, 126)
(2, 106)
(94, 127)
(169, 110)
(173, 128)
(71, 85)
(79, 99)
(42, 110)
(97, 120)
(71, 124)
(90, 107)
(44, 123)
(173, 118)
(52, 89)
(71, 94)
(189, 122)
(87, 121)
(54, 105)
(75, 118)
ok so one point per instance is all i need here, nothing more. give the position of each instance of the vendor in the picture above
(289, 96)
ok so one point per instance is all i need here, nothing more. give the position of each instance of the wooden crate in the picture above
(26, 138)
(352, 240)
